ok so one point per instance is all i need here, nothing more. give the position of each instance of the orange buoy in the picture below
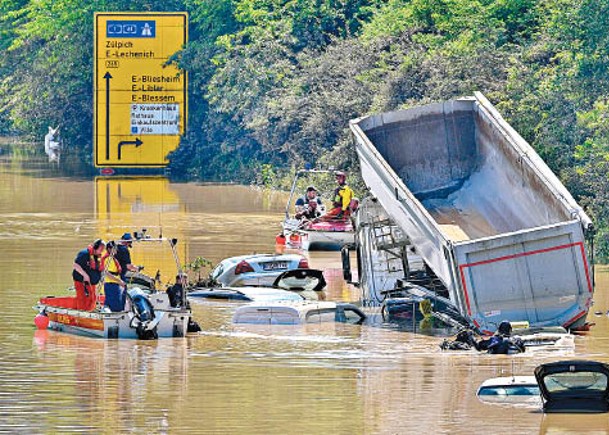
(294, 238)
(41, 321)
(280, 239)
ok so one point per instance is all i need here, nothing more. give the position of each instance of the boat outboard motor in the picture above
(144, 318)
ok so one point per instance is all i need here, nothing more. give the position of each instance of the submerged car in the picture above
(560, 387)
(245, 294)
(546, 338)
(292, 285)
(509, 390)
(574, 386)
(297, 313)
(403, 304)
(255, 269)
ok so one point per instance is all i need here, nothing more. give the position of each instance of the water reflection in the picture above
(574, 424)
(328, 378)
(134, 199)
(142, 204)
(114, 377)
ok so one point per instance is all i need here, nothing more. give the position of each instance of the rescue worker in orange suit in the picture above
(114, 286)
(341, 199)
(87, 273)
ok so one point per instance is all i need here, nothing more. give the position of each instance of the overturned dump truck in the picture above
(483, 211)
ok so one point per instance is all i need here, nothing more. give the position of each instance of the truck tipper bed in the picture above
(482, 209)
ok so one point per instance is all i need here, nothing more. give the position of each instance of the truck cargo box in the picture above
(483, 210)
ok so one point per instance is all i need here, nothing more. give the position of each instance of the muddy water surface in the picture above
(329, 378)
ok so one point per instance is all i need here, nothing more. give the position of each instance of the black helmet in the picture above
(505, 328)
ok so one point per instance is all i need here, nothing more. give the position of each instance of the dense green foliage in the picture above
(273, 83)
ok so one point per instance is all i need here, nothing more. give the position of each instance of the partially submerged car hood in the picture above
(260, 294)
(574, 386)
(301, 279)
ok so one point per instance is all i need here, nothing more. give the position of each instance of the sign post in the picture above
(140, 102)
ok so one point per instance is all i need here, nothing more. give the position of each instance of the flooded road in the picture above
(326, 378)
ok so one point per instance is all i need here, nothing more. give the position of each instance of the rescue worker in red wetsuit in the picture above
(87, 273)
(341, 199)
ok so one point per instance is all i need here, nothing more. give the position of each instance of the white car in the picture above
(298, 313)
(510, 390)
(255, 269)
(292, 285)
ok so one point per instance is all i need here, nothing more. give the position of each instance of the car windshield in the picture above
(270, 296)
(509, 390)
(318, 316)
(576, 382)
(217, 271)
(338, 314)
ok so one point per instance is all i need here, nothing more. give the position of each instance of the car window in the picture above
(576, 381)
(510, 390)
(217, 271)
(318, 316)
(339, 314)
(352, 316)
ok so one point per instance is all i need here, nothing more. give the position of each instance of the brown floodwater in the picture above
(324, 378)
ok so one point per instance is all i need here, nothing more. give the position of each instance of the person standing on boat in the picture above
(86, 273)
(124, 256)
(341, 200)
(114, 286)
(176, 292)
(302, 203)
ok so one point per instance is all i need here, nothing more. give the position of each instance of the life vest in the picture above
(113, 268)
(94, 264)
(342, 197)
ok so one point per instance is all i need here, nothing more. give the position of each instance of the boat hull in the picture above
(172, 322)
(321, 236)
(325, 240)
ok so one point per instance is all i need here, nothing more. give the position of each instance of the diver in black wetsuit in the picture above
(502, 342)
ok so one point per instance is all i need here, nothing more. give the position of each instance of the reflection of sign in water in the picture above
(140, 100)
(155, 208)
(131, 204)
